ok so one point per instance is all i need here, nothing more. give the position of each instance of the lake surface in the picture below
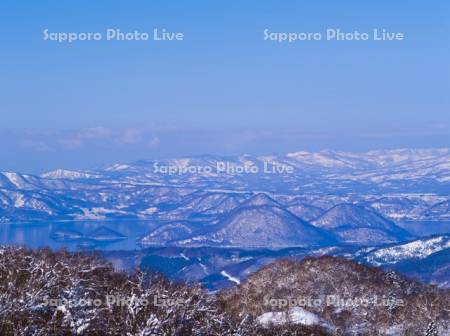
(125, 235)
(426, 228)
(76, 235)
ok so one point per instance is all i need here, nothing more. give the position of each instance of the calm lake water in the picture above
(426, 228)
(77, 235)
(124, 235)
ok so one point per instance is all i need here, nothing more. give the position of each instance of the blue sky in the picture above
(223, 89)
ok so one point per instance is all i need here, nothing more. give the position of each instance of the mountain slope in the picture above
(356, 299)
(417, 249)
(355, 224)
(440, 211)
(306, 212)
(434, 269)
(399, 184)
(264, 224)
(427, 259)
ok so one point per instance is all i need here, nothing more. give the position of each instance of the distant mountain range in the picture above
(397, 183)
(218, 219)
(358, 225)
(259, 222)
(293, 200)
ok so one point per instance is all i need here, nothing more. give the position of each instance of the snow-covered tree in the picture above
(60, 293)
(431, 330)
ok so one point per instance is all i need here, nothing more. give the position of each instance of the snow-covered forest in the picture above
(60, 293)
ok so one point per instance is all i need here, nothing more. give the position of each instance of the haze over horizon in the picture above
(223, 89)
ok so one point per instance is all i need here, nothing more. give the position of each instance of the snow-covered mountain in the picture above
(439, 211)
(258, 222)
(389, 170)
(417, 249)
(358, 196)
(358, 225)
(69, 174)
(426, 259)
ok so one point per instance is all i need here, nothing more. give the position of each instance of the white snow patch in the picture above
(204, 268)
(118, 167)
(149, 211)
(182, 255)
(13, 178)
(296, 315)
(67, 174)
(230, 277)
(415, 249)
(19, 202)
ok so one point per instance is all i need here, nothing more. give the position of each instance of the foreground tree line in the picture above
(60, 293)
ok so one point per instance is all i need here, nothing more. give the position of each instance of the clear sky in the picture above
(223, 89)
